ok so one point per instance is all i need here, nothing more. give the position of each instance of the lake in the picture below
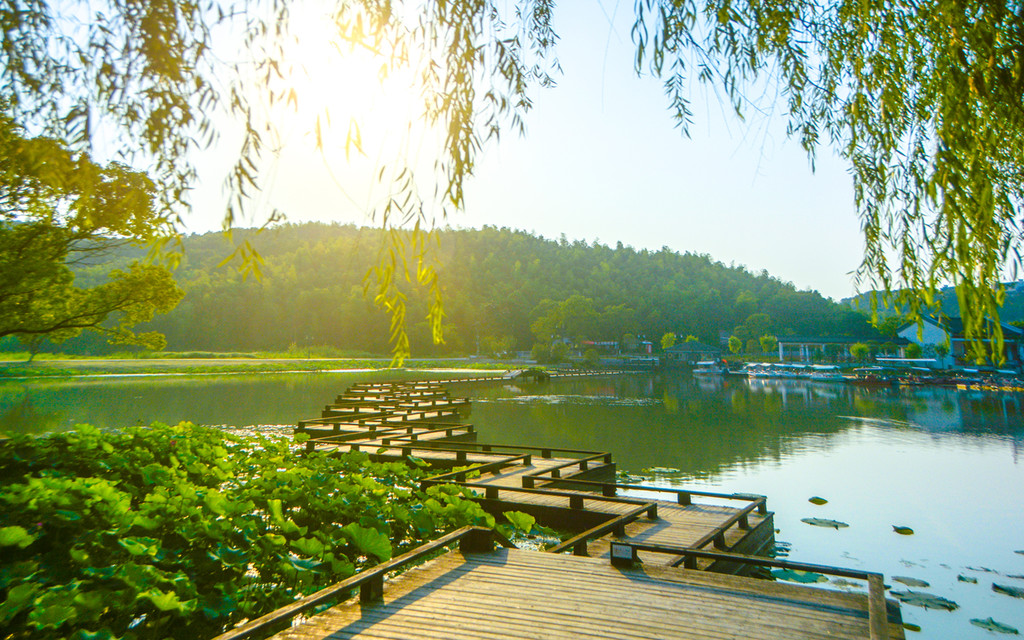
(948, 464)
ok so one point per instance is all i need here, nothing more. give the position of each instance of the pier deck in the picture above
(512, 594)
(665, 534)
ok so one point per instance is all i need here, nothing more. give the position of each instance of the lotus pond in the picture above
(928, 482)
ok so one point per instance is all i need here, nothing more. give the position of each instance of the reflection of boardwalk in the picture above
(623, 579)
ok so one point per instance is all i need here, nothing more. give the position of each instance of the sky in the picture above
(601, 161)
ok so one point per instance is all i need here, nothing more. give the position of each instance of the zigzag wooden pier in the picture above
(643, 562)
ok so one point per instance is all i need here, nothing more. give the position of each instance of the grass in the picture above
(260, 363)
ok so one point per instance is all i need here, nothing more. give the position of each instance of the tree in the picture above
(922, 99)
(941, 350)
(735, 344)
(691, 338)
(860, 351)
(768, 343)
(59, 209)
(913, 350)
(668, 341)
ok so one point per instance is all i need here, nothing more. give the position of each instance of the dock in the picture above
(642, 562)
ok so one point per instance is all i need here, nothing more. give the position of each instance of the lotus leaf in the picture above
(817, 500)
(991, 625)
(967, 579)
(925, 600)
(910, 582)
(910, 626)
(522, 521)
(369, 541)
(903, 531)
(10, 536)
(824, 522)
(1015, 592)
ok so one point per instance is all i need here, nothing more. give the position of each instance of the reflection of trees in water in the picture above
(700, 431)
(22, 416)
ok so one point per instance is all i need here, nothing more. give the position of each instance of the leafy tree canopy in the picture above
(59, 209)
(923, 99)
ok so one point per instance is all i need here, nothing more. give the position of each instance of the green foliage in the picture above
(922, 99)
(59, 208)
(735, 344)
(768, 343)
(182, 531)
(860, 351)
(913, 350)
(668, 340)
(499, 283)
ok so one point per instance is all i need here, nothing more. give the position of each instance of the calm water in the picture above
(948, 464)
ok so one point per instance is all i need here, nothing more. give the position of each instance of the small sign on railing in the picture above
(623, 555)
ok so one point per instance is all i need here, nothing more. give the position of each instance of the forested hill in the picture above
(496, 284)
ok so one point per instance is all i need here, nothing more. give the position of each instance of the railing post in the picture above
(743, 522)
(310, 445)
(652, 512)
(689, 562)
(372, 589)
(556, 473)
(527, 460)
(545, 453)
(477, 541)
(575, 502)
(406, 452)
(683, 498)
(580, 548)
(719, 540)
(527, 482)
(584, 465)
(460, 456)
(491, 493)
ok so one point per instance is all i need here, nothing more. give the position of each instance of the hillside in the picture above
(496, 284)
(1012, 311)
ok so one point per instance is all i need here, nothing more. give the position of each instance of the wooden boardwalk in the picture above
(512, 594)
(632, 572)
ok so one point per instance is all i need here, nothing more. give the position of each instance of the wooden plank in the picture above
(519, 594)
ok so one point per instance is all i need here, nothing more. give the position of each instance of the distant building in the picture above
(817, 348)
(690, 352)
(950, 332)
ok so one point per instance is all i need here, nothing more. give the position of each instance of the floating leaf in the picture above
(1020, 551)
(522, 521)
(903, 531)
(967, 579)
(10, 536)
(817, 500)
(662, 470)
(910, 626)
(910, 582)
(991, 625)
(369, 541)
(808, 577)
(1015, 592)
(925, 600)
(824, 522)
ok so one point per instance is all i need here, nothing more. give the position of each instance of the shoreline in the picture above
(59, 369)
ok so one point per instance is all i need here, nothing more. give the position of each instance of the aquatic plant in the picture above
(183, 531)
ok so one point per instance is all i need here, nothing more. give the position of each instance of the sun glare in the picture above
(355, 107)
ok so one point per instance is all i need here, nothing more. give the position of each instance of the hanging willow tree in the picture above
(921, 98)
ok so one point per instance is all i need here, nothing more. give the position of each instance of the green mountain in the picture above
(496, 284)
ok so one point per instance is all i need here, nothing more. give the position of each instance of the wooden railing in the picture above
(683, 496)
(625, 553)
(617, 525)
(369, 582)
